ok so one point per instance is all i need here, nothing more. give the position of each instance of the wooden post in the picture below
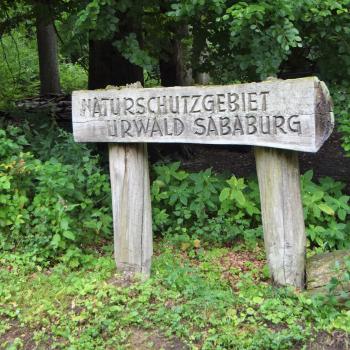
(282, 214)
(132, 217)
(291, 114)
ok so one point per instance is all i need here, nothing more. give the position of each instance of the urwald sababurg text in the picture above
(277, 114)
(161, 110)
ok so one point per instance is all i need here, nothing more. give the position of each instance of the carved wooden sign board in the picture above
(293, 114)
(290, 114)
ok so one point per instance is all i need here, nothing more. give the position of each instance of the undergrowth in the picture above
(51, 201)
(203, 301)
(55, 201)
(214, 209)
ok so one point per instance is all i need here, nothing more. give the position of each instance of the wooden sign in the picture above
(290, 114)
(295, 115)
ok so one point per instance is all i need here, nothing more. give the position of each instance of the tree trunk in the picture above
(47, 49)
(167, 68)
(174, 70)
(108, 67)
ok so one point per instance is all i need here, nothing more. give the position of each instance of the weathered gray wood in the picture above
(282, 214)
(132, 221)
(320, 269)
(291, 114)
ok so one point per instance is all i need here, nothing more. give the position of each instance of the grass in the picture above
(214, 298)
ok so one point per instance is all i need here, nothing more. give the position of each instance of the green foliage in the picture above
(341, 99)
(104, 20)
(188, 302)
(50, 206)
(19, 67)
(100, 17)
(248, 21)
(73, 77)
(207, 207)
(326, 211)
(56, 197)
(241, 40)
(196, 205)
(254, 39)
(338, 288)
(132, 51)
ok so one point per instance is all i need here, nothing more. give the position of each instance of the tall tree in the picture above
(107, 66)
(173, 64)
(111, 26)
(47, 49)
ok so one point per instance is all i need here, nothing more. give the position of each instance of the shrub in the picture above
(73, 77)
(19, 69)
(55, 201)
(326, 211)
(49, 207)
(202, 205)
(341, 98)
(207, 207)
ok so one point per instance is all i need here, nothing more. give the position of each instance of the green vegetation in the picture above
(18, 68)
(215, 209)
(210, 286)
(204, 298)
(341, 98)
(240, 41)
(49, 206)
(55, 201)
(59, 287)
(19, 72)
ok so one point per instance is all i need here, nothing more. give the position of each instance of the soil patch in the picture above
(17, 335)
(142, 339)
(334, 341)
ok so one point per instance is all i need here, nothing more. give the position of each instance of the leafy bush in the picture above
(19, 69)
(207, 207)
(252, 40)
(50, 207)
(325, 210)
(341, 99)
(73, 77)
(55, 200)
(202, 205)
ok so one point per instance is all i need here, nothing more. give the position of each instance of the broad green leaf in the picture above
(240, 198)
(342, 214)
(224, 194)
(318, 195)
(326, 209)
(69, 234)
(64, 224)
(56, 239)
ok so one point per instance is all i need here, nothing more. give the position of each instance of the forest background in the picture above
(210, 285)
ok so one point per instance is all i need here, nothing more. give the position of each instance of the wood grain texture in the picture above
(282, 214)
(132, 220)
(290, 114)
(321, 268)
